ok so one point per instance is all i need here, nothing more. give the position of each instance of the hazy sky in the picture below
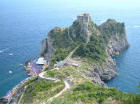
(75, 4)
(123, 4)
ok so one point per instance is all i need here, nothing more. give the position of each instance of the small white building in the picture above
(41, 61)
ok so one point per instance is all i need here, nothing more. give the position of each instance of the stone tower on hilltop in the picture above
(84, 20)
(84, 17)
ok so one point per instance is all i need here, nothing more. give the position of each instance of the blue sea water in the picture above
(24, 23)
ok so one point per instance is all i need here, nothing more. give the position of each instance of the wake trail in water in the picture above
(3, 50)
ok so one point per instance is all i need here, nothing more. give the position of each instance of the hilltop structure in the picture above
(84, 17)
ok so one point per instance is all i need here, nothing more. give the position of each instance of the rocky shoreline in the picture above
(109, 71)
(14, 95)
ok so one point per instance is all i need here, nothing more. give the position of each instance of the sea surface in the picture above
(24, 23)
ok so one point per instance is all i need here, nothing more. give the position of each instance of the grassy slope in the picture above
(39, 91)
(84, 91)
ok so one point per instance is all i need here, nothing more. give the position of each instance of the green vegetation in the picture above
(94, 50)
(29, 81)
(83, 67)
(61, 53)
(39, 91)
(83, 90)
(111, 27)
(89, 93)
(60, 38)
(61, 74)
(76, 26)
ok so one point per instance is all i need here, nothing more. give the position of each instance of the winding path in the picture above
(22, 95)
(41, 75)
(67, 86)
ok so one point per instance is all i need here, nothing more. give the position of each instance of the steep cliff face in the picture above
(117, 42)
(44, 47)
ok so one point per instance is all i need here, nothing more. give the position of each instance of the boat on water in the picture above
(21, 64)
(11, 54)
(10, 72)
(1, 51)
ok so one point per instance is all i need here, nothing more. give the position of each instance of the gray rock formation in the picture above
(117, 44)
(44, 47)
(118, 41)
(105, 73)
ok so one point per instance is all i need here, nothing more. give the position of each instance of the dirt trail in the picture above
(67, 86)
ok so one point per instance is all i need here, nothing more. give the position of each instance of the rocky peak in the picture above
(84, 27)
(117, 41)
(111, 26)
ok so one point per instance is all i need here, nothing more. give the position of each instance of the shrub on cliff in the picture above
(93, 50)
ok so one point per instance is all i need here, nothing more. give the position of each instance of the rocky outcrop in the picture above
(80, 30)
(106, 72)
(113, 33)
(118, 41)
(44, 47)
(117, 44)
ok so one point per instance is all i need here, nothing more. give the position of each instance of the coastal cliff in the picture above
(116, 44)
(106, 40)
(118, 40)
(80, 61)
